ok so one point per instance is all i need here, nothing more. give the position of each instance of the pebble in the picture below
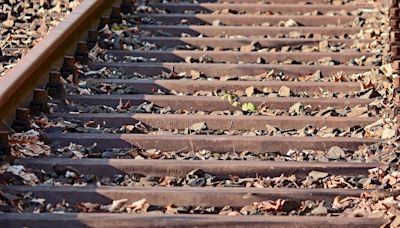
(335, 153)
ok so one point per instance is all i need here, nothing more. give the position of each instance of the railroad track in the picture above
(229, 113)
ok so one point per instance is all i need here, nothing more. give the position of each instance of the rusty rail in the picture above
(130, 111)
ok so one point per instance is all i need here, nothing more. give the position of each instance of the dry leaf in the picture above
(140, 205)
(117, 205)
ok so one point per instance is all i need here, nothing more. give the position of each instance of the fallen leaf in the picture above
(117, 205)
(249, 107)
(88, 207)
(140, 205)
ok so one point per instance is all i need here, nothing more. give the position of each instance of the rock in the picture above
(247, 48)
(270, 128)
(267, 90)
(328, 61)
(284, 91)
(357, 111)
(316, 12)
(261, 61)
(249, 91)
(291, 23)
(198, 182)
(8, 23)
(254, 46)
(317, 75)
(109, 154)
(196, 173)
(198, 126)
(388, 133)
(216, 23)
(323, 45)
(189, 59)
(335, 153)
(130, 90)
(206, 59)
(69, 174)
(295, 34)
(227, 11)
(228, 77)
(296, 108)
(195, 74)
(290, 205)
(60, 170)
(130, 128)
(146, 107)
(249, 210)
(365, 182)
(316, 175)
(320, 210)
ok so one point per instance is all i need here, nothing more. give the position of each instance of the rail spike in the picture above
(39, 102)
(55, 87)
(69, 69)
(92, 38)
(22, 120)
(81, 52)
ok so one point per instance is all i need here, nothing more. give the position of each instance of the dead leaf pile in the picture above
(26, 22)
(118, 206)
(19, 170)
(28, 144)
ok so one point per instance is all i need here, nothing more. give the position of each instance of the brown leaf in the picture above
(342, 203)
(140, 205)
(357, 111)
(171, 209)
(88, 207)
(123, 107)
(270, 205)
(117, 205)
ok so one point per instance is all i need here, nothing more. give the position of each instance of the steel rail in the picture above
(31, 71)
